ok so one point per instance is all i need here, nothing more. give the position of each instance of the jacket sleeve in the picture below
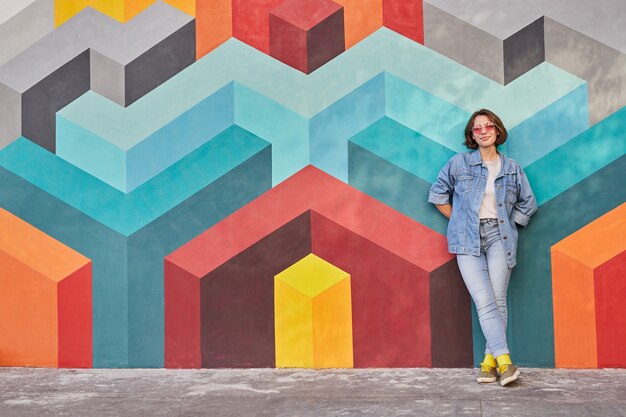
(526, 204)
(441, 191)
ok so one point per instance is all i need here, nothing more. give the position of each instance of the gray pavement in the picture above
(296, 392)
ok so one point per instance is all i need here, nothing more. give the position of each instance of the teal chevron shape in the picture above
(330, 128)
(127, 164)
(426, 113)
(422, 157)
(444, 122)
(126, 213)
(407, 149)
(127, 235)
(575, 160)
(310, 99)
(286, 130)
(397, 165)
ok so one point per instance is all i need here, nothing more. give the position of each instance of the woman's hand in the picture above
(445, 209)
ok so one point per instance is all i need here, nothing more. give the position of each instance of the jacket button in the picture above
(501, 221)
(509, 254)
(499, 204)
(504, 238)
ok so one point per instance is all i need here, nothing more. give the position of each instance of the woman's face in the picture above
(484, 131)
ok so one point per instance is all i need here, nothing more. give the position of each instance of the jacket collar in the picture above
(476, 159)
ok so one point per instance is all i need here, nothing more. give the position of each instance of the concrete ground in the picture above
(296, 392)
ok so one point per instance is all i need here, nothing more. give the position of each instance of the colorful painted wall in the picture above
(243, 183)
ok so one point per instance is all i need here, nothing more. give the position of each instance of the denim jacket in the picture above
(462, 182)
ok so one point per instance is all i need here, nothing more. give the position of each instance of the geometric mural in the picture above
(122, 62)
(520, 35)
(589, 281)
(409, 304)
(313, 316)
(205, 182)
(45, 299)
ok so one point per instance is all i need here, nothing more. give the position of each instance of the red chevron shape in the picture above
(410, 307)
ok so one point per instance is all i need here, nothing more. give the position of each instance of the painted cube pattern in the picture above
(417, 283)
(45, 299)
(313, 316)
(159, 163)
(589, 276)
(306, 34)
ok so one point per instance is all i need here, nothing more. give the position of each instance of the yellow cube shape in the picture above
(313, 316)
(122, 10)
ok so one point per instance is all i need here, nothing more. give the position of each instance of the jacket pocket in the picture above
(464, 181)
(511, 193)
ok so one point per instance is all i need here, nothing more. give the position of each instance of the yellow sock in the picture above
(504, 360)
(489, 360)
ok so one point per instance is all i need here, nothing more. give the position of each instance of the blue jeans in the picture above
(487, 279)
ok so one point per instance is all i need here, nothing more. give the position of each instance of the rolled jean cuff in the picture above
(520, 218)
(501, 351)
(438, 199)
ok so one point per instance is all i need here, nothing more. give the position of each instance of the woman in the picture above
(485, 194)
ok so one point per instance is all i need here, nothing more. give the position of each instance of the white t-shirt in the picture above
(488, 205)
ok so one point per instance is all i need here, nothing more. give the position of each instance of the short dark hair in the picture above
(469, 139)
